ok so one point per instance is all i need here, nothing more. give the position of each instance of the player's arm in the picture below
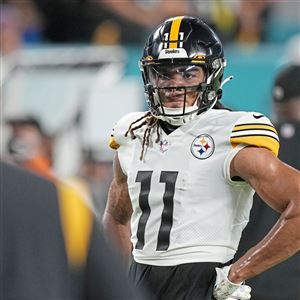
(279, 186)
(118, 211)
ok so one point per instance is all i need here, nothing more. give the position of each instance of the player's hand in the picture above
(226, 290)
(242, 293)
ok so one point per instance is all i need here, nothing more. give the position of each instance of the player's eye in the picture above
(188, 75)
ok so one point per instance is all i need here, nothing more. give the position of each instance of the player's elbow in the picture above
(292, 209)
(291, 215)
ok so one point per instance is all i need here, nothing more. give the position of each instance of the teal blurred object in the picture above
(253, 70)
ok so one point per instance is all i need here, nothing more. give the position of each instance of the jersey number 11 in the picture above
(169, 178)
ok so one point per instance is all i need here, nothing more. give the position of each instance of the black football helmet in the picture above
(182, 44)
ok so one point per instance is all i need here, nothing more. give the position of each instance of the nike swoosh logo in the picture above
(258, 116)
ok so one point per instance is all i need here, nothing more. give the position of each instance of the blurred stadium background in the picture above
(73, 64)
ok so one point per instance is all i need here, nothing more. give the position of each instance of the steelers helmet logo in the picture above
(203, 146)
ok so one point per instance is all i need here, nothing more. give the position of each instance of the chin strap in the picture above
(176, 121)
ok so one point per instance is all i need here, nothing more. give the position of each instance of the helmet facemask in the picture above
(179, 90)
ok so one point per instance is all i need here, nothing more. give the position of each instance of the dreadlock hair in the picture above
(149, 121)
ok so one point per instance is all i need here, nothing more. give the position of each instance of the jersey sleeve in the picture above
(251, 129)
(118, 133)
(254, 129)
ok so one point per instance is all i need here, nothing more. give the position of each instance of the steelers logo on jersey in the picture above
(203, 146)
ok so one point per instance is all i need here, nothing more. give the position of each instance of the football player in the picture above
(185, 173)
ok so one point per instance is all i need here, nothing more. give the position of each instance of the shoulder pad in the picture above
(117, 137)
(254, 129)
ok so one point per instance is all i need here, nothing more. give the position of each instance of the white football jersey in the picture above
(186, 208)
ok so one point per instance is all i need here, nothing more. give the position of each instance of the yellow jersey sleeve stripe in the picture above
(77, 222)
(262, 141)
(174, 32)
(112, 143)
(253, 126)
(255, 132)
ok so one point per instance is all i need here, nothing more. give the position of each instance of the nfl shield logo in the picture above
(163, 146)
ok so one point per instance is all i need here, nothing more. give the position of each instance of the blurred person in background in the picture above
(11, 36)
(251, 18)
(105, 22)
(96, 170)
(29, 145)
(10, 41)
(185, 173)
(21, 26)
(29, 20)
(94, 177)
(251, 23)
(145, 14)
(283, 281)
(286, 101)
(52, 246)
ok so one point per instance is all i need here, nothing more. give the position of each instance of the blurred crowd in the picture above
(130, 21)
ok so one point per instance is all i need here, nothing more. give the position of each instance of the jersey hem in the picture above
(200, 254)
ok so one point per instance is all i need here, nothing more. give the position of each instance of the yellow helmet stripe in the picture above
(174, 32)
